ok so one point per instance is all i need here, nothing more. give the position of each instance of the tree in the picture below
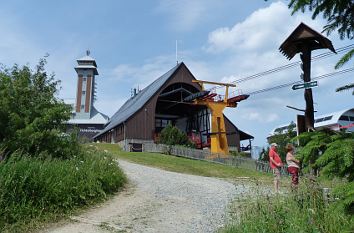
(332, 154)
(339, 15)
(282, 138)
(31, 117)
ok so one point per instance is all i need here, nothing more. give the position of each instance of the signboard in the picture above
(305, 85)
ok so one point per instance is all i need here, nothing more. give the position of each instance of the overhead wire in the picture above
(290, 65)
(299, 82)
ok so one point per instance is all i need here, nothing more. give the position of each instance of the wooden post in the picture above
(309, 111)
(303, 40)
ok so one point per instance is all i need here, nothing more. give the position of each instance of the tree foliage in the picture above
(31, 117)
(282, 139)
(346, 87)
(332, 154)
(339, 15)
(171, 135)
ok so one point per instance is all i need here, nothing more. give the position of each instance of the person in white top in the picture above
(293, 165)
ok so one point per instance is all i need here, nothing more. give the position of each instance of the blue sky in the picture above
(133, 43)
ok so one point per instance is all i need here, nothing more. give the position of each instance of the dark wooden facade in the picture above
(141, 125)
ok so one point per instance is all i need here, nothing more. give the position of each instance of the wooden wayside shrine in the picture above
(303, 40)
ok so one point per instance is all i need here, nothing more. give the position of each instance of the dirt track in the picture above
(159, 201)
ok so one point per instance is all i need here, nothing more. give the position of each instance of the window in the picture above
(84, 79)
(351, 118)
(328, 118)
(158, 122)
(82, 106)
(83, 92)
(344, 118)
(162, 123)
(319, 120)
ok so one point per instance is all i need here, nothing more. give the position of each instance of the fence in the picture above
(206, 155)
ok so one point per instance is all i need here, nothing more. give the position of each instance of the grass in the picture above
(301, 211)
(35, 190)
(183, 165)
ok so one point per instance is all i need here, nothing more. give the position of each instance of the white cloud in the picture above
(257, 117)
(184, 15)
(263, 28)
(142, 75)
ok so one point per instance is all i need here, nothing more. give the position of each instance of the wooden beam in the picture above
(215, 83)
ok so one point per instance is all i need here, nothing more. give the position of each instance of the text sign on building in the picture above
(305, 85)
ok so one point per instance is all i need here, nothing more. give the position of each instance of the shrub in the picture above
(171, 135)
(32, 187)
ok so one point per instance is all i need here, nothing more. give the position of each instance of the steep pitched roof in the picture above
(131, 106)
(243, 135)
(291, 46)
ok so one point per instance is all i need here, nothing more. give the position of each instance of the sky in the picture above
(134, 42)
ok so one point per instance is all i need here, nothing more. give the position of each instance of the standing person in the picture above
(293, 165)
(275, 164)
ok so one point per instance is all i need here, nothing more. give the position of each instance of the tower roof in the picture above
(86, 58)
(87, 62)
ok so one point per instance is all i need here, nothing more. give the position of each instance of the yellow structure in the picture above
(219, 146)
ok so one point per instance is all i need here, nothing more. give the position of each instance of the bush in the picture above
(171, 135)
(304, 211)
(31, 187)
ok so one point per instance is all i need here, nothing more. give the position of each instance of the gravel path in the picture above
(159, 201)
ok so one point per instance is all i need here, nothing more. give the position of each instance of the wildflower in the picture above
(311, 211)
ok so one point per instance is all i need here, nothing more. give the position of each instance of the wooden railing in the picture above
(206, 155)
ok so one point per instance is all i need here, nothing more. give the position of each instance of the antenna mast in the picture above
(176, 51)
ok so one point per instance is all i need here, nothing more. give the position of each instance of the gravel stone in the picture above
(160, 201)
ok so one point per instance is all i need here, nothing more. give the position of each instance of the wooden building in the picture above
(147, 112)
